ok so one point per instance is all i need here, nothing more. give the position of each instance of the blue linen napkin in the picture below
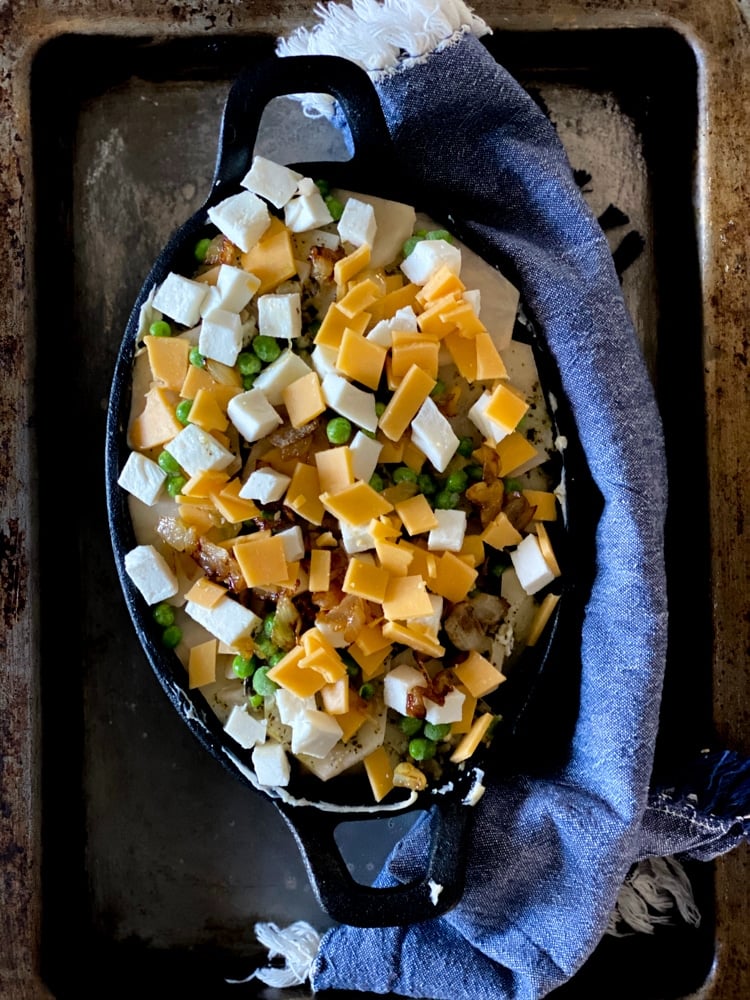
(548, 851)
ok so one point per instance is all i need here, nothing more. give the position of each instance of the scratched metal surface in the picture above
(143, 853)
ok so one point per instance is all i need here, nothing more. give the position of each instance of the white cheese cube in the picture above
(235, 287)
(197, 451)
(474, 297)
(355, 404)
(252, 414)
(395, 224)
(228, 620)
(315, 733)
(431, 621)
(356, 537)
(324, 360)
(365, 452)
(212, 301)
(245, 728)
(449, 534)
(294, 543)
(142, 478)
(432, 433)
(397, 685)
(357, 223)
(427, 256)
(280, 316)
(266, 485)
(272, 381)
(381, 334)
(271, 765)
(271, 181)
(149, 571)
(180, 298)
(221, 336)
(450, 711)
(405, 320)
(290, 705)
(491, 429)
(530, 565)
(306, 186)
(335, 636)
(242, 218)
(307, 211)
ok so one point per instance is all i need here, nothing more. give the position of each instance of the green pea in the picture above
(446, 500)
(261, 683)
(168, 463)
(426, 484)
(201, 249)
(243, 666)
(370, 434)
(264, 646)
(338, 430)
(182, 411)
(160, 329)
(248, 364)
(248, 381)
(439, 389)
(379, 408)
(366, 691)
(163, 614)
(474, 472)
(410, 244)
(266, 348)
(439, 234)
(335, 207)
(436, 730)
(465, 447)
(409, 726)
(171, 636)
(457, 481)
(324, 187)
(175, 485)
(377, 483)
(275, 658)
(268, 623)
(196, 358)
(403, 474)
(255, 700)
(512, 485)
(497, 569)
(422, 749)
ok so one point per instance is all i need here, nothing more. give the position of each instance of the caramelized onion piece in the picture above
(471, 623)
(488, 497)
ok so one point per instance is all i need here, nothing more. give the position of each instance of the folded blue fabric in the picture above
(548, 853)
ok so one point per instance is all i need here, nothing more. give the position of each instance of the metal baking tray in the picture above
(155, 862)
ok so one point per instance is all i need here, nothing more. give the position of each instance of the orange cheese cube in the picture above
(157, 423)
(371, 664)
(327, 663)
(200, 378)
(205, 592)
(545, 503)
(506, 406)
(335, 469)
(335, 322)
(478, 675)
(396, 559)
(405, 402)
(168, 359)
(463, 350)
(196, 516)
(462, 314)
(203, 484)
(489, 363)
(206, 412)
(352, 721)
(262, 560)
(369, 640)
(514, 451)
(472, 739)
(360, 297)
(387, 306)
(345, 269)
(202, 664)
(500, 533)
(473, 546)
(413, 456)
(303, 493)
(392, 453)
(541, 616)
(360, 359)
(303, 399)
(545, 545)
(356, 504)
(406, 597)
(417, 514)
(453, 578)
(273, 458)
(443, 282)
(411, 351)
(290, 675)
(415, 637)
(271, 260)
(468, 708)
(422, 562)
(431, 320)
(320, 570)
(379, 773)
(365, 580)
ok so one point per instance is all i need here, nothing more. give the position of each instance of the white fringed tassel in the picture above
(653, 890)
(297, 944)
(381, 37)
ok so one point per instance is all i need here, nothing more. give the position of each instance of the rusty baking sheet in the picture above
(156, 862)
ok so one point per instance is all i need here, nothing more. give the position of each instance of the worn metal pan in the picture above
(312, 809)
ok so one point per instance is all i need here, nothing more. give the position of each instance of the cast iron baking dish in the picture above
(311, 808)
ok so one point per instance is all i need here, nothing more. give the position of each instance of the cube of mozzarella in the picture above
(405, 319)
(431, 621)
(197, 451)
(491, 429)
(346, 399)
(266, 485)
(212, 301)
(235, 287)
(228, 620)
(180, 298)
(432, 433)
(530, 565)
(242, 218)
(245, 728)
(397, 685)
(252, 414)
(450, 711)
(294, 543)
(449, 534)
(315, 733)
(271, 765)
(307, 211)
(272, 381)
(381, 334)
(271, 181)
(280, 316)
(356, 537)
(324, 360)
(142, 478)
(290, 705)
(150, 572)
(427, 256)
(365, 452)
(357, 223)
(221, 336)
